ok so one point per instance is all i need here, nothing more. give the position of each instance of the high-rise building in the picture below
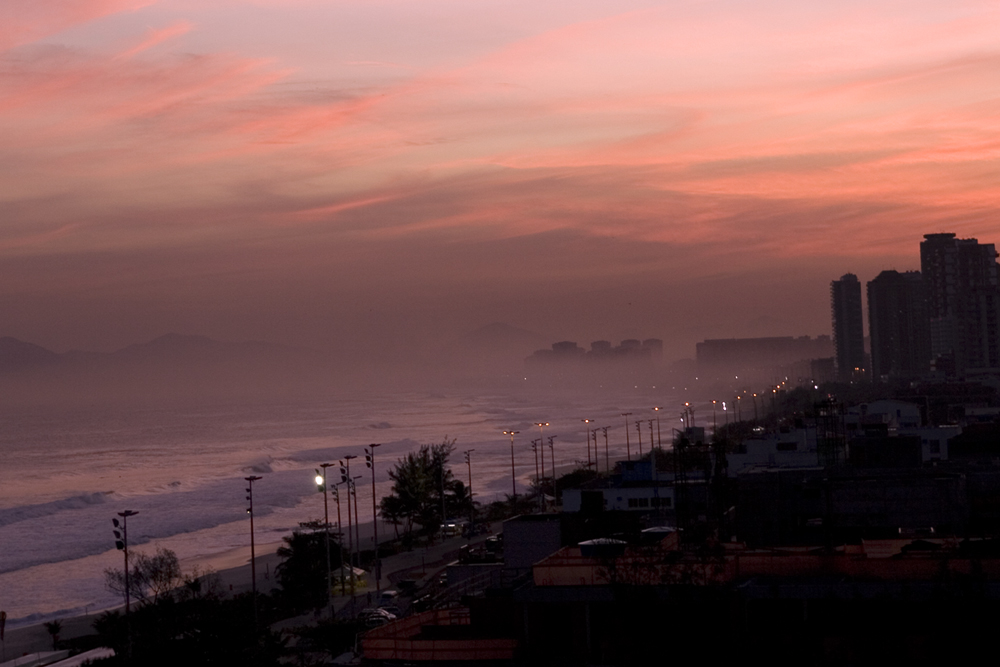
(898, 326)
(848, 327)
(962, 279)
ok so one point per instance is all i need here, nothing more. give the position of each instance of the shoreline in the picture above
(234, 579)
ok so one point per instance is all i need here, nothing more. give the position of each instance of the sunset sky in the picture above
(350, 172)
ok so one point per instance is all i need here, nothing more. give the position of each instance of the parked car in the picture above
(372, 618)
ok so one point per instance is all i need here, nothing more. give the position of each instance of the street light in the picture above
(659, 442)
(552, 451)
(638, 429)
(541, 439)
(472, 504)
(628, 447)
(321, 484)
(513, 478)
(121, 543)
(607, 456)
(535, 446)
(345, 478)
(370, 462)
(586, 430)
(253, 556)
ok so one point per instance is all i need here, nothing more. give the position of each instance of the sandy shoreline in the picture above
(233, 570)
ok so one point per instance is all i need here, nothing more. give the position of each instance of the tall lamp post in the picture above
(536, 445)
(541, 446)
(628, 447)
(321, 484)
(340, 538)
(472, 504)
(638, 429)
(513, 477)
(345, 478)
(121, 543)
(659, 442)
(586, 428)
(552, 451)
(370, 462)
(607, 456)
(253, 555)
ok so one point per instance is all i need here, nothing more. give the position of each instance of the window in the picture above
(633, 502)
(935, 446)
(787, 446)
(643, 502)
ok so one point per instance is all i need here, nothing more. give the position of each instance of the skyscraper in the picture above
(962, 279)
(848, 327)
(898, 326)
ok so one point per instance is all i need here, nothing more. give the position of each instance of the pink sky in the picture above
(317, 172)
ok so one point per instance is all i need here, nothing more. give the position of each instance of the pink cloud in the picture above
(25, 22)
(156, 37)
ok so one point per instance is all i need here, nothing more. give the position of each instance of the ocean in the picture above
(64, 474)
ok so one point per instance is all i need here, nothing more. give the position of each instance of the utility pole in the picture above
(321, 482)
(472, 504)
(345, 478)
(340, 538)
(638, 429)
(552, 451)
(121, 543)
(535, 446)
(253, 555)
(659, 441)
(597, 457)
(513, 477)
(541, 445)
(586, 429)
(607, 457)
(370, 462)
(628, 447)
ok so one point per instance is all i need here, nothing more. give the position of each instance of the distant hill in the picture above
(173, 366)
(16, 355)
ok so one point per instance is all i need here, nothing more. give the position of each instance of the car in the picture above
(372, 618)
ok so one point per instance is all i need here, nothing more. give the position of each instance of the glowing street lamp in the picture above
(513, 477)
(659, 442)
(586, 430)
(321, 485)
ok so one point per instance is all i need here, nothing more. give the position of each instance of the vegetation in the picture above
(424, 490)
(302, 573)
(149, 576)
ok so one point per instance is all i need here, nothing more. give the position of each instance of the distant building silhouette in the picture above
(761, 359)
(961, 278)
(848, 327)
(898, 325)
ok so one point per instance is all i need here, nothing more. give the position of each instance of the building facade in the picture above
(848, 327)
(963, 303)
(898, 326)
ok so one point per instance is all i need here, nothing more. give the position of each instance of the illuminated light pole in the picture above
(739, 408)
(755, 408)
(253, 555)
(628, 446)
(472, 504)
(370, 462)
(513, 477)
(659, 442)
(321, 483)
(586, 429)
(713, 417)
(541, 441)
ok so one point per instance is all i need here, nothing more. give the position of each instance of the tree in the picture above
(424, 490)
(54, 628)
(302, 572)
(155, 575)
